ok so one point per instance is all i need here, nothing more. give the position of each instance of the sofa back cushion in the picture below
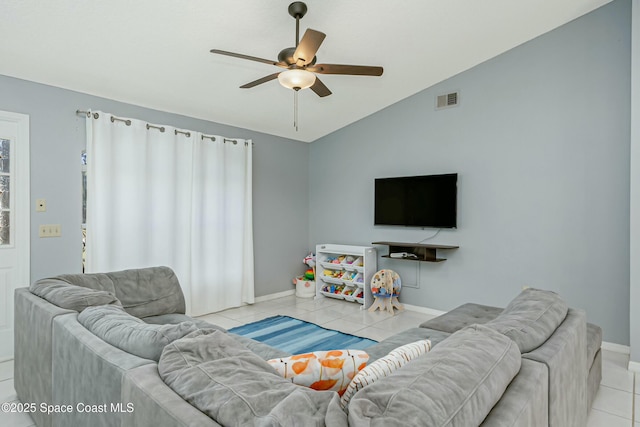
(143, 292)
(225, 380)
(71, 297)
(120, 329)
(455, 384)
(531, 318)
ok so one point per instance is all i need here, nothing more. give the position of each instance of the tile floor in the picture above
(616, 404)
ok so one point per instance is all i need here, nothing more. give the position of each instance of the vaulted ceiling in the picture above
(155, 53)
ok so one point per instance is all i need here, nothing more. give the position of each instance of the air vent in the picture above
(447, 100)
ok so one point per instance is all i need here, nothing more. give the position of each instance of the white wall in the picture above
(58, 136)
(541, 145)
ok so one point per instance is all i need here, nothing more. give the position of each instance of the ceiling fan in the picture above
(300, 61)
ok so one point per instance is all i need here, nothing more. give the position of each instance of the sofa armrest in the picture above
(154, 403)
(564, 354)
(33, 349)
(87, 371)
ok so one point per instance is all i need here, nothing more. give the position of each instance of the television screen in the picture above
(417, 201)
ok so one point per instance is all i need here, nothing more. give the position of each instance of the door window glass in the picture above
(5, 191)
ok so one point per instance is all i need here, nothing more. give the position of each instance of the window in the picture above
(5, 192)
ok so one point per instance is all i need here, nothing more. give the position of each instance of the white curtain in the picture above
(176, 198)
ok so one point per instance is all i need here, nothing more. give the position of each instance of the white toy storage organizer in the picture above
(345, 272)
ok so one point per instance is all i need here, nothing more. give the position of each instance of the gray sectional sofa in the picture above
(116, 349)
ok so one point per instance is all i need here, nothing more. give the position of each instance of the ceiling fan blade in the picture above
(250, 58)
(320, 89)
(260, 81)
(355, 70)
(308, 46)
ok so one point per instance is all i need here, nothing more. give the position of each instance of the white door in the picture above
(14, 219)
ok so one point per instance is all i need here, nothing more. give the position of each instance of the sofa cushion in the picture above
(407, 336)
(71, 297)
(321, 370)
(175, 318)
(531, 318)
(460, 317)
(225, 380)
(263, 350)
(143, 292)
(128, 333)
(383, 367)
(455, 384)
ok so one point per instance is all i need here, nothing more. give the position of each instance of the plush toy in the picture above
(385, 287)
(309, 274)
(310, 260)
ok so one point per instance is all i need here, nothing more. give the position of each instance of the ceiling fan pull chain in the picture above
(295, 109)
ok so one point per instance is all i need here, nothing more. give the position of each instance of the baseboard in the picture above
(634, 366)
(277, 295)
(616, 348)
(425, 310)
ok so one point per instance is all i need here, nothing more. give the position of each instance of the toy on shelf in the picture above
(332, 273)
(359, 295)
(359, 280)
(333, 291)
(385, 287)
(336, 260)
(305, 284)
(348, 276)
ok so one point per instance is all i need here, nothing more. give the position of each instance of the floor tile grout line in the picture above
(633, 401)
(612, 413)
(608, 413)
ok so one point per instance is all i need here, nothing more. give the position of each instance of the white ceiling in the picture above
(155, 53)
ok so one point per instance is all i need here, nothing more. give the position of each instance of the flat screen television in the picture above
(417, 201)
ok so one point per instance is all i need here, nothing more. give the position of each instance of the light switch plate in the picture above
(49, 230)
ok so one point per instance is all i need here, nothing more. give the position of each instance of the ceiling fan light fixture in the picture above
(296, 79)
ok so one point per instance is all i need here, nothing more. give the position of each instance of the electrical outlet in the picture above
(41, 205)
(49, 230)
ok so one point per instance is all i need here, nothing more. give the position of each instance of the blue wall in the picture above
(540, 141)
(58, 136)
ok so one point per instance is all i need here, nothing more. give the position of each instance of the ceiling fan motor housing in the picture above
(286, 56)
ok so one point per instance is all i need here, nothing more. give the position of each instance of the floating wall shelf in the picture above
(423, 252)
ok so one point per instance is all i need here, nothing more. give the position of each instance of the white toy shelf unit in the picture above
(345, 272)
